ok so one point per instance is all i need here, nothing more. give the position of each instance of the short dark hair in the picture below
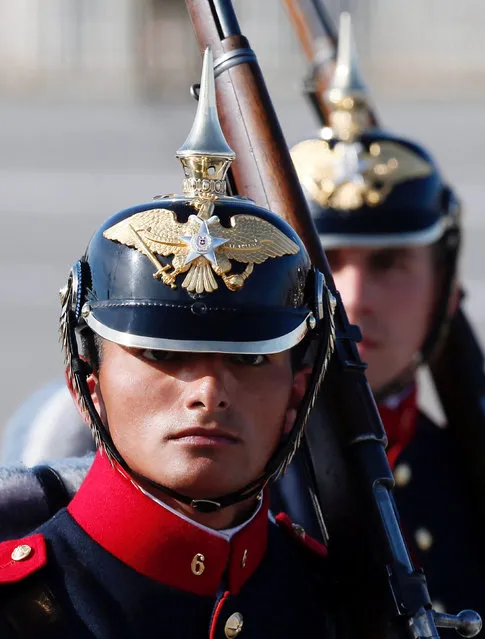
(440, 252)
(91, 348)
(300, 354)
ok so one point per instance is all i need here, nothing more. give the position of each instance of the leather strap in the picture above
(55, 491)
(30, 611)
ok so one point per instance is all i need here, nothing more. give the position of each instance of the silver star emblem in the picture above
(350, 166)
(202, 244)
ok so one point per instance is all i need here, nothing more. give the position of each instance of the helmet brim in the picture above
(196, 328)
(384, 237)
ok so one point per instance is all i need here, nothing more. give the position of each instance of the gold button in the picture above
(233, 625)
(244, 558)
(197, 564)
(424, 539)
(299, 530)
(402, 475)
(21, 552)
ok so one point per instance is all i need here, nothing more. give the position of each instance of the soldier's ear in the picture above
(454, 300)
(301, 379)
(92, 382)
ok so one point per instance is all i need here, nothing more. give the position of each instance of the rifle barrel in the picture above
(318, 38)
(325, 20)
(226, 16)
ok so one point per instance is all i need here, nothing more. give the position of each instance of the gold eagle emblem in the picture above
(201, 246)
(348, 176)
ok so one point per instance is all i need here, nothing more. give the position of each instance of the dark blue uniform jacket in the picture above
(438, 519)
(115, 564)
(432, 497)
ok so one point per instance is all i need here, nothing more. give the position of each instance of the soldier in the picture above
(390, 227)
(186, 328)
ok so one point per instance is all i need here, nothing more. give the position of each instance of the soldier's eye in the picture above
(387, 259)
(250, 360)
(156, 356)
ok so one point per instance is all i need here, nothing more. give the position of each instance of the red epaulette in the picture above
(298, 532)
(19, 558)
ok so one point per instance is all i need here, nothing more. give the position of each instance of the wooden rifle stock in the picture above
(318, 38)
(354, 479)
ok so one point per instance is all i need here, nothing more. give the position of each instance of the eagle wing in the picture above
(251, 239)
(395, 163)
(158, 228)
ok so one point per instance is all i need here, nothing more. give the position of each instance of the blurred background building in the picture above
(137, 49)
(94, 103)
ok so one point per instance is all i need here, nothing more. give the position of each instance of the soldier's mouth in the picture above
(205, 437)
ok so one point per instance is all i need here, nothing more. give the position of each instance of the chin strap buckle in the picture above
(205, 505)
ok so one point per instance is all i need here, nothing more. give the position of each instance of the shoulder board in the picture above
(298, 533)
(19, 558)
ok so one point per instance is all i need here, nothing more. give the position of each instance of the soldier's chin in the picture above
(206, 475)
(208, 482)
(209, 486)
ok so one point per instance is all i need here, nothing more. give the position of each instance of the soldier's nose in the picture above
(354, 288)
(207, 394)
(207, 389)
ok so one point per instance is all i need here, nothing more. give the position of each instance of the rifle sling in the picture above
(55, 491)
(30, 610)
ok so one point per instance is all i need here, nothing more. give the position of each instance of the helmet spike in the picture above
(205, 154)
(347, 81)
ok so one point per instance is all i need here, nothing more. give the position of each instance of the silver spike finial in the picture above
(347, 81)
(205, 154)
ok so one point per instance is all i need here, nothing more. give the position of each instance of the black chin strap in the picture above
(203, 505)
(276, 464)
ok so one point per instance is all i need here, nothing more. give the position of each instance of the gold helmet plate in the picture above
(349, 176)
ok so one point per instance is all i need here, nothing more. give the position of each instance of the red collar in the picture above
(399, 424)
(158, 543)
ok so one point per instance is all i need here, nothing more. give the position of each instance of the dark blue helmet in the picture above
(378, 190)
(364, 186)
(185, 274)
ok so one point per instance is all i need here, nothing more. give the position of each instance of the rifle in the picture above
(456, 362)
(319, 40)
(364, 535)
